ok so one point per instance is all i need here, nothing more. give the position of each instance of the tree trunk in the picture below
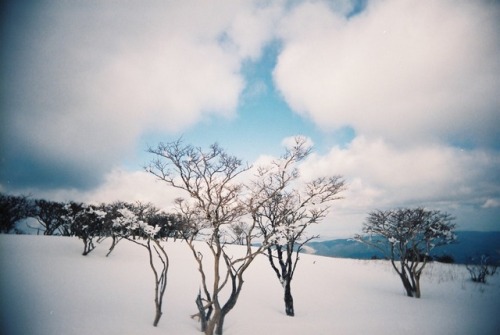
(407, 285)
(157, 316)
(229, 305)
(88, 246)
(417, 286)
(113, 244)
(288, 298)
(160, 279)
(213, 322)
(216, 324)
(203, 316)
(220, 324)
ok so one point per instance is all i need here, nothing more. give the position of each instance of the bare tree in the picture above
(406, 236)
(214, 203)
(288, 209)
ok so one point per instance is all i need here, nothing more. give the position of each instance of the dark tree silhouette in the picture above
(52, 216)
(13, 209)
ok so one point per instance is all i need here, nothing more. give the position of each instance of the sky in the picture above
(400, 97)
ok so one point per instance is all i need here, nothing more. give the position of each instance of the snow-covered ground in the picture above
(47, 287)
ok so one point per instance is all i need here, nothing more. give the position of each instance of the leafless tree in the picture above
(288, 209)
(215, 202)
(406, 236)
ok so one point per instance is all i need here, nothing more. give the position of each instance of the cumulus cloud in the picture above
(413, 79)
(382, 174)
(403, 70)
(84, 80)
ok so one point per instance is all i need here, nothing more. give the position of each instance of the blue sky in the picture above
(399, 97)
(263, 118)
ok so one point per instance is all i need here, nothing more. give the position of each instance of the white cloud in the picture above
(404, 70)
(90, 78)
(85, 80)
(379, 174)
(491, 203)
(407, 76)
(132, 186)
(118, 185)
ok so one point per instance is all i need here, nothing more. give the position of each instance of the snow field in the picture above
(47, 287)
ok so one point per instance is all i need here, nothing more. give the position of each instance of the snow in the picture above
(47, 287)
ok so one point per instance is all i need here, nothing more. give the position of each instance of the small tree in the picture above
(288, 208)
(145, 235)
(117, 232)
(110, 228)
(87, 222)
(215, 202)
(52, 216)
(481, 268)
(406, 236)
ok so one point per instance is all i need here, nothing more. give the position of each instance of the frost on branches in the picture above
(86, 223)
(132, 228)
(215, 203)
(285, 207)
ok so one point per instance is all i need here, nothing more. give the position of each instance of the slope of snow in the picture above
(47, 287)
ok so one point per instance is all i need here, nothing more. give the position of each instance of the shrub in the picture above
(481, 268)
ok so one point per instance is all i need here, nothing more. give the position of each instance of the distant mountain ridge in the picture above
(470, 244)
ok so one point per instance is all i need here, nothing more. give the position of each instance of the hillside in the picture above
(48, 288)
(470, 244)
